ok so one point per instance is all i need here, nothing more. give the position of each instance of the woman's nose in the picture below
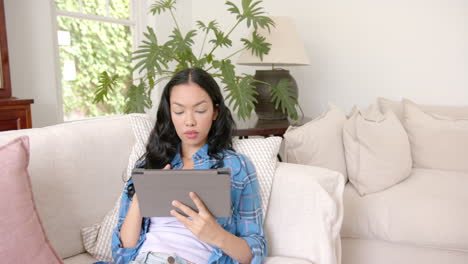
(189, 120)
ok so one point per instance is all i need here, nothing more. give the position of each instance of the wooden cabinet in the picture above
(15, 114)
(260, 127)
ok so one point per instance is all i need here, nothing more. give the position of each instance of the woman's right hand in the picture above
(131, 227)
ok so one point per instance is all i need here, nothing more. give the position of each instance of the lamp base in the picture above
(264, 108)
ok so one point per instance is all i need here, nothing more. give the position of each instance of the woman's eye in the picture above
(178, 113)
(201, 112)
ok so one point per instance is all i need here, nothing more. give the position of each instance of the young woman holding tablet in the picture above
(193, 131)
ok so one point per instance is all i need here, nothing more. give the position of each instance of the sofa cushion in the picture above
(454, 111)
(76, 172)
(427, 209)
(97, 238)
(318, 142)
(305, 213)
(377, 150)
(437, 142)
(285, 260)
(22, 236)
(84, 258)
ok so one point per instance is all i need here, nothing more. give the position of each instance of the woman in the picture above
(193, 131)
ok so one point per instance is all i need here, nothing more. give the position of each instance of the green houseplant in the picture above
(154, 61)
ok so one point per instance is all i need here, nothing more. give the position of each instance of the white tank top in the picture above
(168, 235)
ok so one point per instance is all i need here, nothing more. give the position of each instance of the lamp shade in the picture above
(287, 47)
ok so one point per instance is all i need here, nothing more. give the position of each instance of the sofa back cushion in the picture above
(97, 238)
(377, 150)
(437, 141)
(76, 173)
(22, 236)
(318, 142)
(445, 110)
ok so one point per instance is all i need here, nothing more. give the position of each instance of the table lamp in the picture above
(287, 49)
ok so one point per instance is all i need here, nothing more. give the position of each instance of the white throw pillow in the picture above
(313, 197)
(98, 237)
(437, 141)
(377, 150)
(263, 152)
(318, 142)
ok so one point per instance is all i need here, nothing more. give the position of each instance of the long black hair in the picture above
(163, 140)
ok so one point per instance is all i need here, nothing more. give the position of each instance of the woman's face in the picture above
(192, 114)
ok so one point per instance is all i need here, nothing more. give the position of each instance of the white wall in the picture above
(362, 49)
(32, 61)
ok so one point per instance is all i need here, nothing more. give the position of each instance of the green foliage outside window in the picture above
(95, 47)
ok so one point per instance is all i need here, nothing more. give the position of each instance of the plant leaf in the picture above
(254, 15)
(106, 83)
(234, 9)
(258, 46)
(282, 96)
(216, 64)
(181, 47)
(201, 25)
(150, 55)
(212, 25)
(221, 39)
(241, 92)
(162, 6)
(137, 99)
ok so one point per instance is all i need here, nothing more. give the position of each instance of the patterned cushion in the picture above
(97, 238)
(263, 154)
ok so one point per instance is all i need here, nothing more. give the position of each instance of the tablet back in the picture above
(157, 189)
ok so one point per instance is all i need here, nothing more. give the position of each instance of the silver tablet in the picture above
(157, 189)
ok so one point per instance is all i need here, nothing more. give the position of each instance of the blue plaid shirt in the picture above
(245, 222)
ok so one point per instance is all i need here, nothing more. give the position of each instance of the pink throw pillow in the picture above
(22, 237)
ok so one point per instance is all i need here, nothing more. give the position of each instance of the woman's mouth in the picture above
(191, 134)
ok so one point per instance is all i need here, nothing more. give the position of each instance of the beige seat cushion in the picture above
(437, 142)
(84, 258)
(285, 260)
(427, 209)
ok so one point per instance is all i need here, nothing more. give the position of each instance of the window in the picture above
(93, 36)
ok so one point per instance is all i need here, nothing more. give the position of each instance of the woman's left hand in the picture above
(203, 225)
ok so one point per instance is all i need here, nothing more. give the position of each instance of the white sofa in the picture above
(414, 207)
(76, 170)
(422, 219)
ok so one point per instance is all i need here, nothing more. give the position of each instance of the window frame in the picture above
(135, 22)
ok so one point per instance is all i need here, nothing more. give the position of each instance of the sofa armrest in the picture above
(305, 213)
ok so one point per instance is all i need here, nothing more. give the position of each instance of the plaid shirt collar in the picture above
(201, 154)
